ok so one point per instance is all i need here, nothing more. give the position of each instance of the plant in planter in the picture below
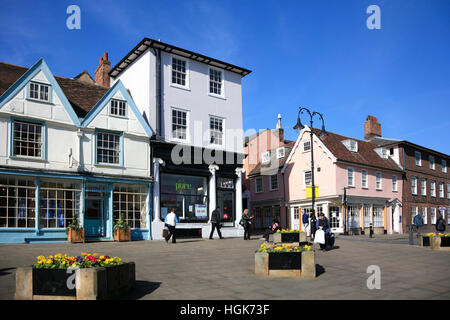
(437, 240)
(96, 277)
(122, 231)
(290, 235)
(75, 233)
(285, 261)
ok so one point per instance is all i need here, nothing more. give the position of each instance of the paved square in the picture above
(223, 269)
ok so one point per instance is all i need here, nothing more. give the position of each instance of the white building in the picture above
(194, 103)
(70, 147)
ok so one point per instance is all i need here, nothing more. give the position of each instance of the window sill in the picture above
(274, 189)
(117, 116)
(40, 101)
(21, 158)
(118, 166)
(178, 86)
(216, 96)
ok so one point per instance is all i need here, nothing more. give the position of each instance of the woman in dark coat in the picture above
(247, 221)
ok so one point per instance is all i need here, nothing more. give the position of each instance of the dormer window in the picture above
(118, 108)
(384, 153)
(39, 91)
(281, 153)
(265, 157)
(351, 145)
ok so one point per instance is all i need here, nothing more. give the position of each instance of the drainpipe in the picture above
(158, 100)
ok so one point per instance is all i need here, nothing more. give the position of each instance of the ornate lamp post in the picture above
(299, 127)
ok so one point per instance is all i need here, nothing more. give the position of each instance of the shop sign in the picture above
(200, 210)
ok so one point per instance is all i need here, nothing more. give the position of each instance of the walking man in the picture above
(215, 223)
(305, 223)
(171, 222)
(418, 222)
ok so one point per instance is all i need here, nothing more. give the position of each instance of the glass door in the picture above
(335, 219)
(94, 218)
(225, 202)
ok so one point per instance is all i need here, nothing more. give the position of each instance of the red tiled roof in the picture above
(365, 155)
(261, 167)
(82, 96)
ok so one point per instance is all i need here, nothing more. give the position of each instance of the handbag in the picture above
(242, 222)
(319, 237)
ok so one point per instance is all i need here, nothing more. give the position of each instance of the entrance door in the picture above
(335, 219)
(395, 219)
(94, 218)
(225, 202)
(295, 214)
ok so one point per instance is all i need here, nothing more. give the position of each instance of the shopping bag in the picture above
(319, 237)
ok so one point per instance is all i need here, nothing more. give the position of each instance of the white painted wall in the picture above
(61, 136)
(195, 99)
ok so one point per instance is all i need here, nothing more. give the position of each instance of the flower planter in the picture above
(285, 264)
(440, 243)
(75, 237)
(424, 241)
(290, 237)
(121, 235)
(92, 283)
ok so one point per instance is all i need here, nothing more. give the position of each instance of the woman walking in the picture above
(246, 221)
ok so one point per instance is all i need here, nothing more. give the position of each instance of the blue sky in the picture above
(316, 54)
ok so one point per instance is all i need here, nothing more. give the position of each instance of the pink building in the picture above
(372, 178)
(266, 153)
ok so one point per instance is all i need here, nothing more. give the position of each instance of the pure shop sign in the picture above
(309, 191)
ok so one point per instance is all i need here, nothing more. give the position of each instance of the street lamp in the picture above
(299, 126)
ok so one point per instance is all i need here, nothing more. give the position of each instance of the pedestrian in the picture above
(305, 223)
(246, 222)
(418, 222)
(215, 223)
(440, 224)
(171, 221)
(323, 224)
(275, 226)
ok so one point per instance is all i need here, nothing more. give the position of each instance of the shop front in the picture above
(38, 207)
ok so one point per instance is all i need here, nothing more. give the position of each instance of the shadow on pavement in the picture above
(3, 271)
(143, 288)
(319, 270)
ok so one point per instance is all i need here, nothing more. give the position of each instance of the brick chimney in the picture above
(372, 128)
(101, 73)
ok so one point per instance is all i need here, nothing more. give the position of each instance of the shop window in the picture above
(58, 203)
(187, 194)
(367, 216)
(378, 220)
(130, 202)
(17, 202)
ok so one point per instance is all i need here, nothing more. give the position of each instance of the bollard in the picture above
(411, 241)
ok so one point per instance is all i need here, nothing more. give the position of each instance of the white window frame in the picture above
(172, 137)
(418, 158)
(423, 187)
(378, 181)
(394, 183)
(23, 138)
(444, 166)
(265, 157)
(433, 188)
(433, 215)
(256, 184)
(211, 131)
(364, 183)
(441, 190)
(414, 186)
(414, 212)
(212, 94)
(353, 144)
(448, 190)
(271, 180)
(119, 102)
(352, 170)
(431, 162)
(304, 179)
(176, 85)
(39, 88)
(281, 152)
(304, 143)
(424, 214)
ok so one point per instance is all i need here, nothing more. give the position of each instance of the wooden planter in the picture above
(290, 237)
(74, 236)
(92, 283)
(285, 264)
(121, 235)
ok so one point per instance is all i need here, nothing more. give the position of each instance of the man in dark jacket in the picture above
(324, 224)
(418, 222)
(440, 224)
(215, 223)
